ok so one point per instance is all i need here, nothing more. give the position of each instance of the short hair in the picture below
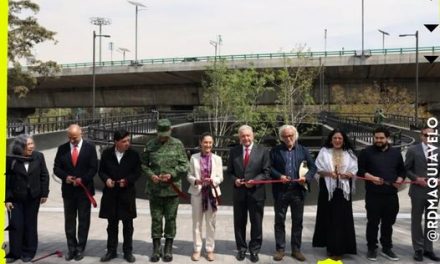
(19, 143)
(243, 128)
(205, 134)
(382, 129)
(120, 134)
(284, 127)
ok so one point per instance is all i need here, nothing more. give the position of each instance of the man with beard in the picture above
(383, 169)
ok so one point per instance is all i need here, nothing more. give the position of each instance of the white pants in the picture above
(197, 217)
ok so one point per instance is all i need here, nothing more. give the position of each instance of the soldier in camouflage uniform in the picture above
(164, 162)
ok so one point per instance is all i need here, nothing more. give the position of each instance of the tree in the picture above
(23, 34)
(294, 84)
(232, 95)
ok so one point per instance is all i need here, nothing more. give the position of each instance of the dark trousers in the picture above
(381, 209)
(419, 207)
(112, 233)
(76, 206)
(23, 236)
(294, 199)
(256, 212)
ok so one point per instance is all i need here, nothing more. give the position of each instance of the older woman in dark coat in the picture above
(119, 169)
(27, 185)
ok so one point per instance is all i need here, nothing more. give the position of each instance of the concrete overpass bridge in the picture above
(176, 83)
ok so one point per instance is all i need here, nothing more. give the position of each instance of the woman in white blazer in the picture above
(205, 175)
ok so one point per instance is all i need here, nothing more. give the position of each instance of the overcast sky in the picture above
(183, 28)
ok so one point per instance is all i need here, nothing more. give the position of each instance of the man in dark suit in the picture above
(416, 164)
(119, 169)
(76, 163)
(287, 159)
(248, 162)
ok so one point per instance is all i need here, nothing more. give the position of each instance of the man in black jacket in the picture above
(384, 170)
(76, 163)
(119, 169)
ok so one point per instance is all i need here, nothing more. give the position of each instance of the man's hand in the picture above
(155, 179)
(77, 182)
(302, 180)
(123, 183)
(421, 181)
(249, 184)
(398, 182)
(70, 179)
(165, 177)
(346, 175)
(9, 206)
(333, 174)
(43, 200)
(238, 182)
(377, 180)
(285, 179)
(110, 183)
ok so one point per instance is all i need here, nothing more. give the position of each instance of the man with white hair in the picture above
(248, 162)
(287, 159)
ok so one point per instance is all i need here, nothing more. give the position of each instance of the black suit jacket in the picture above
(18, 180)
(116, 202)
(86, 167)
(258, 168)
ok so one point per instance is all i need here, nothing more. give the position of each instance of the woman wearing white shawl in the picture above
(337, 164)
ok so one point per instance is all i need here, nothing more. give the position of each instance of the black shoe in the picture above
(107, 257)
(70, 255)
(389, 254)
(10, 260)
(129, 257)
(79, 256)
(26, 259)
(431, 256)
(418, 255)
(254, 257)
(372, 254)
(240, 255)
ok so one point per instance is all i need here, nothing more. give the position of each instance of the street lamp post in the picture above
(383, 37)
(362, 27)
(93, 72)
(123, 51)
(137, 5)
(100, 21)
(216, 45)
(416, 114)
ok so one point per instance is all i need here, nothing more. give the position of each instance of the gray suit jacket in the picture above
(416, 166)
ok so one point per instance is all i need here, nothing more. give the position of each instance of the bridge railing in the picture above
(361, 131)
(257, 56)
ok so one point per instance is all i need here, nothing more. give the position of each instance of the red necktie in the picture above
(246, 157)
(74, 155)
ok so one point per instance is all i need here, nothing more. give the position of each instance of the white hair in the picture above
(243, 128)
(284, 127)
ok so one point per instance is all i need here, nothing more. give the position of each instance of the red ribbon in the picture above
(270, 181)
(57, 252)
(386, 182)
(89, 195)
(177, 190)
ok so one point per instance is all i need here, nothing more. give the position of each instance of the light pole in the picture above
(416, 114)
(137, 5)
(100, 21)
(216, 45)
(362, 27)
(383, 37)
(93, 71)
(123, 51)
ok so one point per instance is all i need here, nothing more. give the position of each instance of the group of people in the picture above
(288, 167)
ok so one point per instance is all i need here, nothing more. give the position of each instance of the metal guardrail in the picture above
(240, 57)
(361, 131)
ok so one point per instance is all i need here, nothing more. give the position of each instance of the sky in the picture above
(184, 28)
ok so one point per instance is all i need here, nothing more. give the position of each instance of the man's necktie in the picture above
(246, 157)
(75, 155)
